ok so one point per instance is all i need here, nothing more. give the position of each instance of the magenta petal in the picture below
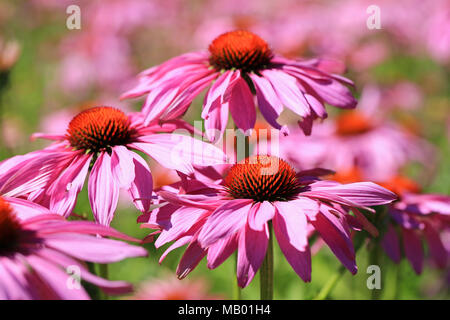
(191, 257)
(216, 120)
(300, 261)
(391, 244)
(64, 191)
(413, 249)
(225, 221)
(287, 91)
(337, 237)
(221, 250)
(141, 186)
(437, 249)
(291, 221)
(242, 106)
(179, 152)
(251, 252)
(93, 249)
(103, 190)
(268, 102)
(122, 166)
(259, 214)
(55, 278)
(111, 287)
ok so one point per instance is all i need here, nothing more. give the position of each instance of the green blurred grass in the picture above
(28, 97)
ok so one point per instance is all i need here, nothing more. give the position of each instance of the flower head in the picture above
(38, 248)
(102, 140)
(228, 208)
(416, 218)
(240, 65)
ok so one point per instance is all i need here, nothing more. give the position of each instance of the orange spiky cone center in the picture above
(9, 228)
(262, 178)
(241, 50)
(99, 128)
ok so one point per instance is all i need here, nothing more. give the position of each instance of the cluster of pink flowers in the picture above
(216, 207)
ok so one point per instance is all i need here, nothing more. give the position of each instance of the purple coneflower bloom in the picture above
(37, 247)
(222, 213)
(414, 218)
(102, 140)
(239, 66)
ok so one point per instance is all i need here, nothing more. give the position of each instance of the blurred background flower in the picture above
(400, 70)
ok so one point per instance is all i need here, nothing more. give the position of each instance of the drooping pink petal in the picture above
(413, 249)
(251, 252)
(122, 165)
(219, 251)
(141, 186)
(191, 257)
(437, 249)
(179, 152)
(103, 190)
(93, 249)
(391, 244)
(259, 214)
(64, 191)
(300, 261)
(110, 287)
(53, 276)
(291, 221)
(242, 106)
(334, 233)
(225, 221)
(287, 91)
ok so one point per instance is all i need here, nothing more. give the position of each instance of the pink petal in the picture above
(251, 252)
(103, 190)
(291, 221)
(259, 214)
(413, 249)
(122, 166)
(191, 257)
(64, 191)
(221, 250)
(242, 106)
(299, 260)
(391, 244)
(141, 186)
(225, 221)
(334, 233)
(93, 249)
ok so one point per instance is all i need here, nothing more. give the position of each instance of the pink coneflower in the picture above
(102, 138)
(217, 215)
(416, 216)
(361, 138)
(239, 65)
(171, 288)
(37, 247)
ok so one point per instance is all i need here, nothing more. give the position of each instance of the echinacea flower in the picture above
(231, 209)
(361, 138)
(101, 139)
(39, 248)
(239, 66)
(416, 218)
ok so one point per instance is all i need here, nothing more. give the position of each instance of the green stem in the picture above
(328, 287)
(331, 283)
(374, 259)
(237, 291)
(266, 271)
(103, 272)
